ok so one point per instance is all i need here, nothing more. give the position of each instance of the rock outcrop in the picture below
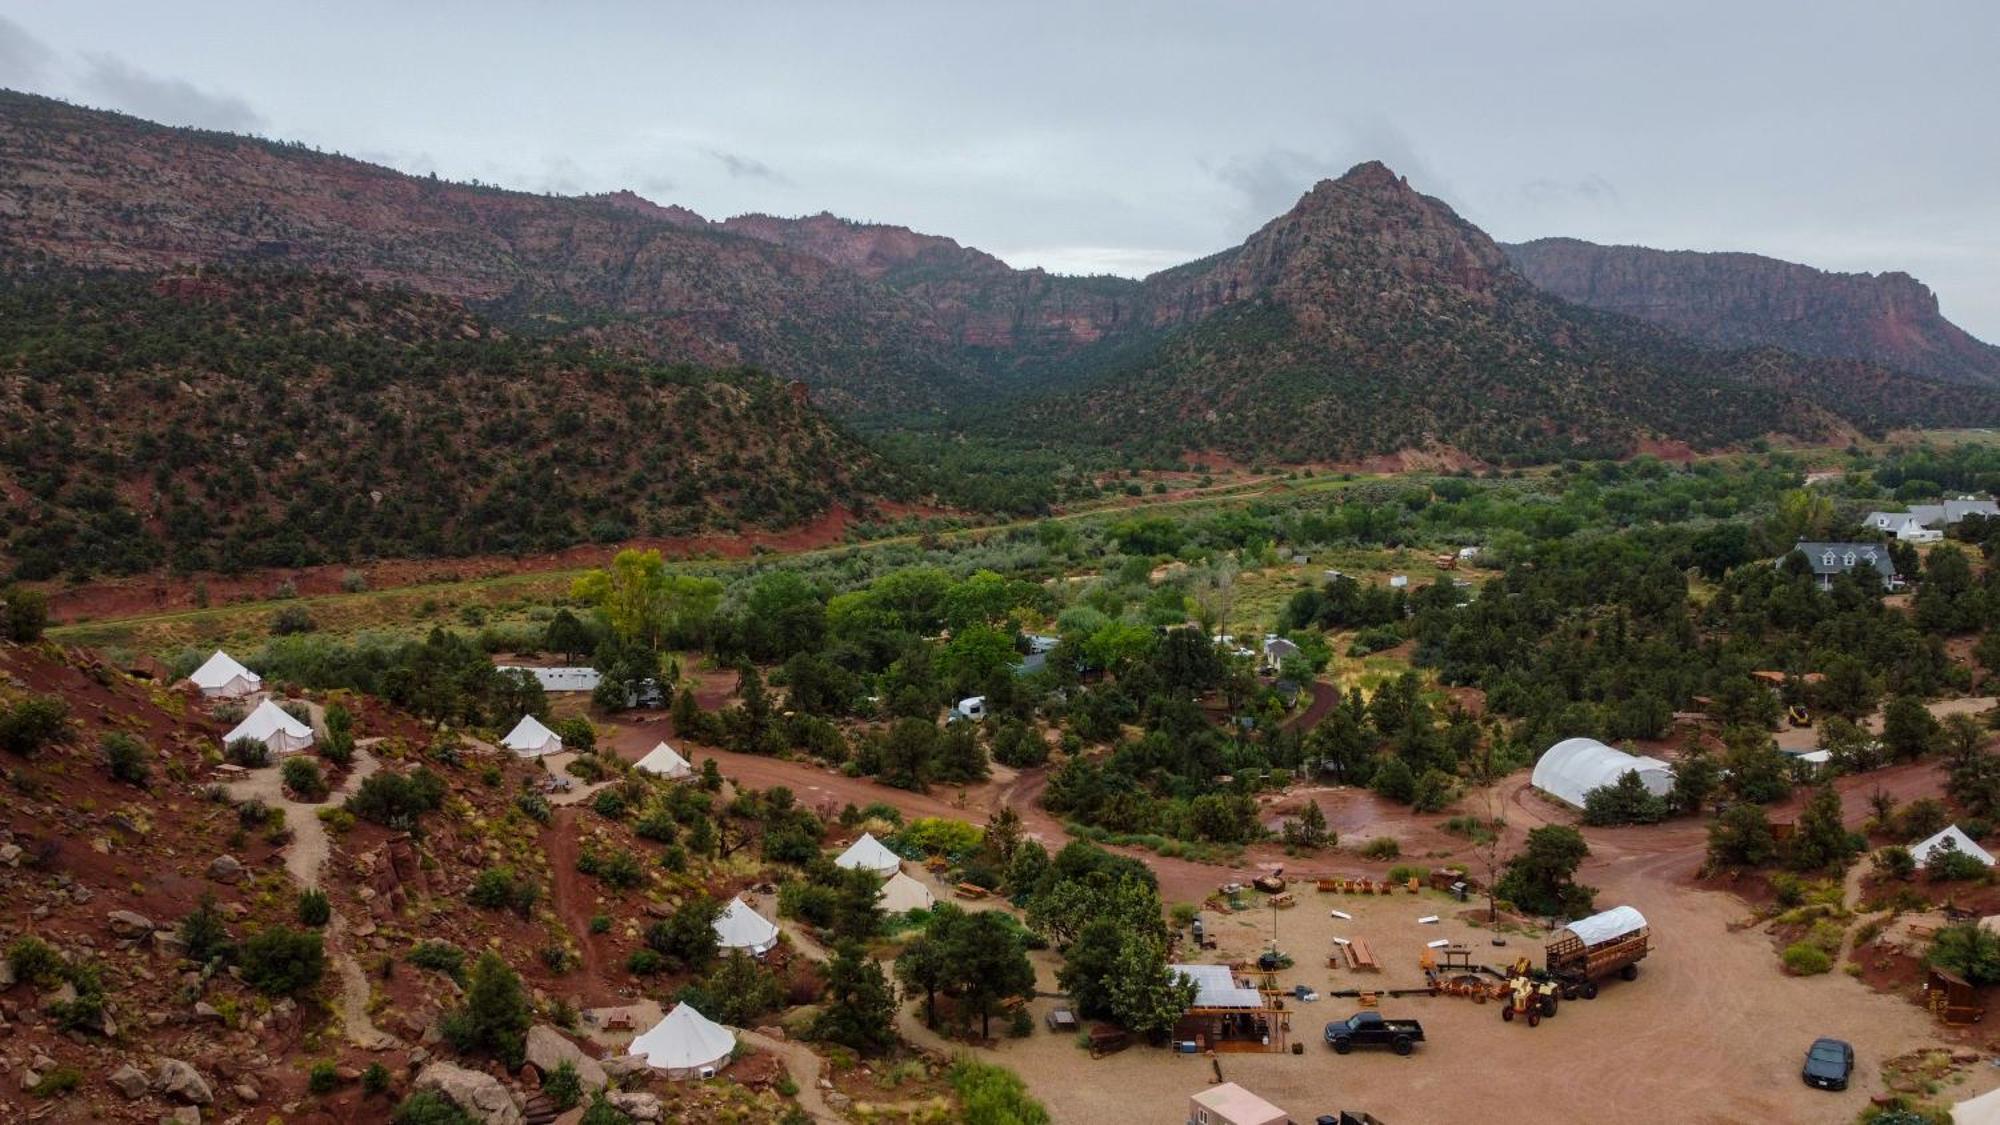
(479, 1094)
(178, 1079)
(547, 1050)
(1747, 300)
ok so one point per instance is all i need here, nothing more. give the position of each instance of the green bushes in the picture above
(125, 756)
(1968, 949)
(1947, 864)
(24, 613)
(281, 961)
(1625, 801)
(31, 724)
(322, 1078)
(61, 1080)
(1804, 959)
(247, 752)
(439, 956)
(563, 1086)
(314, 909)
(1381, 847)
(204, 935)
(494, 1019)
(36, 961)
(534, 806)
(303, 778)
(397, 800)
(619, 869)
(428, 1107)
(1895, 862)
(993, 1095)
(499, 887)
(375, 1079)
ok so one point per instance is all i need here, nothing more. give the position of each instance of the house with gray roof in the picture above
(1934, 516)
(1831, 559)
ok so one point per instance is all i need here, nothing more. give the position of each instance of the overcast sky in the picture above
(1126, 137)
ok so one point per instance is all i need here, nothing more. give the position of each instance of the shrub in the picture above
(1381, 847)
(609, 804)
(576, 734)
(439, 956)
(29, 725)
(1804, 959)
(353, 581)
(303, 778)
(24, 613)
(1968, 949)
(534, 806)
(292, 619)
(397, 800)
(1625, 801)
(204, 935)
(600, 924)
(1895, 862)
(1946, 864)
(61, 1080)
(125, 756)
(563, 1086)
(375, 1080)
(36, 961)
(496, 1014)
(281, 961)
(428, 1107)
(322, 1078)
(644, 963)
(314, 909)
(619, 869)
(248, 753)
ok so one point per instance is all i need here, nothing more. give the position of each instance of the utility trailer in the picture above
(1590, 949)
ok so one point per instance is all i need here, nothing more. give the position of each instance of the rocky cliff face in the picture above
(1743, 300)
(98, 190)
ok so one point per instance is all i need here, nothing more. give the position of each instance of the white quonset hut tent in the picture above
(868, 854)
(1922, 852)
(220, 676)
(902, 894)
(530, 738)
(663, 761)
(686, 1044)
(270, 725)
(742, 928)
(1573, 767)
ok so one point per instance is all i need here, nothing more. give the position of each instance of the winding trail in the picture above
(305, 858)
(574, 906)
(804, 1067)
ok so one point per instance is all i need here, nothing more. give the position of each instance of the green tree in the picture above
(126, 756)
(1147, 997)
(1908, 730)
(1542, 877)
(1741, 837)
(859, 1010)
(281, 961)
(24, 614)
(1625, 801)
(1308, 829)
(567, 634)
(1697, 776)
(203, 933)
(687, 936)
(641, 601)
(1820, 839)
(495, 1016)
(1968, 949)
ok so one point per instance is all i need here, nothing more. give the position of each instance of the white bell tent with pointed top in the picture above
(742, 928)
(685, 1044)
(221, 677)
(664, 761)
(902, 894)
(868, 854)
(531, 739)
(1922, 852)
(270, 725)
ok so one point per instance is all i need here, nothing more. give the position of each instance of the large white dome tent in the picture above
(1570, 769)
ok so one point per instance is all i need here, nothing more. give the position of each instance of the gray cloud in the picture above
(1589, 190)
(25, 61)
(115, 82)
(742, 167)
(1270, 182)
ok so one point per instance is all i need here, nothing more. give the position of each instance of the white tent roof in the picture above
(529, 736)
(560, 679)
(902, 894)
(1215, 987)
(740, 927)
(869, 854)
(685, 1040)
(268, 719)
(1613, 923)
(664, 761)
(219, 669)
(1982, 1110)
(1573, 767)
(1922, 852)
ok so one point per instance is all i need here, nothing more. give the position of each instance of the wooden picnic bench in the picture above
(1360, 958)
(969, 890)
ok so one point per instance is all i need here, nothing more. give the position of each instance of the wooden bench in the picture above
(969, 890)
(1360, 958)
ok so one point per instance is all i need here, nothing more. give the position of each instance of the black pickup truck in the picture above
(1366, 1028)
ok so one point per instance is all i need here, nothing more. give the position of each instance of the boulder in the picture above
(481, 1095)
(637, 1106)
(246, 1092)
(622, 1067)
(129, 924)
(225, 869)
(547, 1050)
(10, 854)
(29, 1080)
(203, 1010)
(130, 1081)
(183, 1081)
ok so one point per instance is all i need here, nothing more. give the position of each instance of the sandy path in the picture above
(804, 1067)
(574, 906)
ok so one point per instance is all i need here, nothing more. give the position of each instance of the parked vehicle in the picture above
(1829, 1063)
(1370, 1029)
(1591, 949)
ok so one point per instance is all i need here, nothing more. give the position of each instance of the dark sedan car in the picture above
(1828, 1064)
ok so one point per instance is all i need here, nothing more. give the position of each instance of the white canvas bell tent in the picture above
(685, 1044)
(742, 928)
(221, 677)
(664, 761)
(1570, 769)
(1922, 852)
(902, 894)
(868, 854)
(270, 725)
(531, 739)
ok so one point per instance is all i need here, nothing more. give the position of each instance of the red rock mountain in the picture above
(1744, 300)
